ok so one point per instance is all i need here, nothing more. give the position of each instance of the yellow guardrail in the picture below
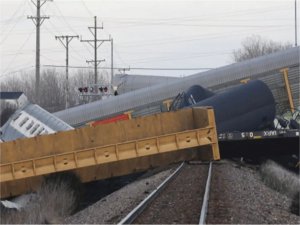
(108, 150)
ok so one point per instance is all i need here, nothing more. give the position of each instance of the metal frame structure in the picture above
(110, 149)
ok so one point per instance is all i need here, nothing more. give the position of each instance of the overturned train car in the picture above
(147, 100)
(246, 107)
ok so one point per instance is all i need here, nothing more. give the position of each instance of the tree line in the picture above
(52, 87)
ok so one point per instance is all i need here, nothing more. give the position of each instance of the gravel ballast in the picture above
(180, 202)
(238, 196)
(117, 205)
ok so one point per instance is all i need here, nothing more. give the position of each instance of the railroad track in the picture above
(182, 198)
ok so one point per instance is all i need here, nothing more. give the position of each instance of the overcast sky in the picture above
(146, 33)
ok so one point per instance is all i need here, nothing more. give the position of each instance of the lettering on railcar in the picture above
(269, 133)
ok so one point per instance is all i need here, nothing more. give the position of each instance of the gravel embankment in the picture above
(238, 196)
(117, 205)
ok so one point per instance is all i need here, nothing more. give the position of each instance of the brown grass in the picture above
(57, 198)
(280, 179)
(283, 181)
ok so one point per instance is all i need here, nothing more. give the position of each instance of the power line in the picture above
(14, 14)
(66, 22)
(112, 54)
(87, 9)
(71, 28)
(16, 71)
(133, 68)
(76, 51)
(191, 18)
(13, 26)
(174, 21)
(18, 53)
(174, 58)
(164, 41)
(151, 23)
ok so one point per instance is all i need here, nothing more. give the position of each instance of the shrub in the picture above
(57, 198)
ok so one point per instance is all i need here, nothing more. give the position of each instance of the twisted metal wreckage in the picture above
(242, 97)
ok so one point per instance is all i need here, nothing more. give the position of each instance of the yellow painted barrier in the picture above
(109, 150)
(288, 88)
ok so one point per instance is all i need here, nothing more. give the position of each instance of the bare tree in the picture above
(6, 110)
(24, 82)
(255, 46)
(52, 93)
(52, 85)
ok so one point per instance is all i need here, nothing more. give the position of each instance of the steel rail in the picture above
(139, 209)
(206, 197)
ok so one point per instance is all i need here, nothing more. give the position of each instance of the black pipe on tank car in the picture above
(195, 94)
(192, 96)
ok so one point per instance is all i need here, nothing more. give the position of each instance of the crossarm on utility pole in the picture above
(66, 45)
(95, 43)
(38, 21)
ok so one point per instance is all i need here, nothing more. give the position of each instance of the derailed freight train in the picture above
(246, 107)
(147, 100)
(246, 123)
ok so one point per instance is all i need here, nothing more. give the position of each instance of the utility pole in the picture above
(38, 21)
(295, 22)
(66, 45)
(95, 45)
(111, 60)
